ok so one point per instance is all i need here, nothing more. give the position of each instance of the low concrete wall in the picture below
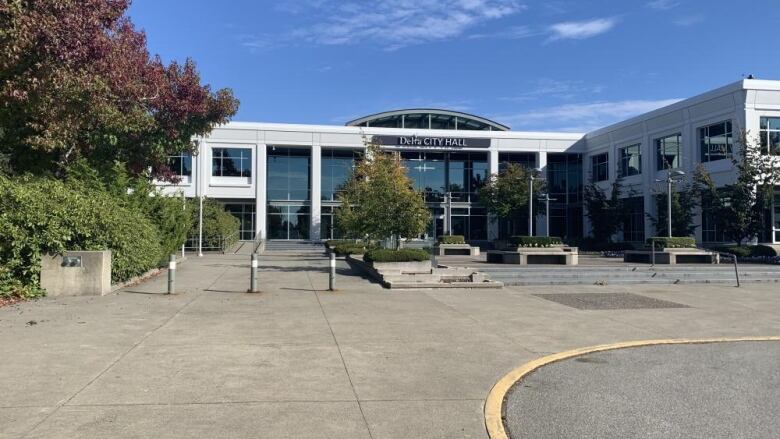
(672, 256)
(456, 249)
(77, 273)
(535, 255)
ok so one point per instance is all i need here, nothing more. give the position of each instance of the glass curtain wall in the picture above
(564, 184)
(289, 194)
(337, 165)
(634, 225)
(458, 173)
(245, 212)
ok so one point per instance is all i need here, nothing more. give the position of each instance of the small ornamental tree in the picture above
(378, 201)
(607, 213)
(684, 202)
(505, 195)
(738, 209)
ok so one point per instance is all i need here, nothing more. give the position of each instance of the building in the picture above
(282, 180)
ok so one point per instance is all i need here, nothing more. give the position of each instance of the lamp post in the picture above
(531, 179)
(670, 178)
(546, 198)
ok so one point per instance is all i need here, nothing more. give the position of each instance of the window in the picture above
(667, 150)
(716, 142)
(599, 167)
(710, 232)
(525, 159)
(288, 172)
(630, 160)
(337, 167)
(634, 224)
(181, 164)
(770, 135)
(231, 162)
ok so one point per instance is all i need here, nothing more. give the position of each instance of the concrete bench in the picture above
(672, 256)
(456, 249)
(535, 255)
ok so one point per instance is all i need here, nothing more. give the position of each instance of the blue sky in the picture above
(533, 65)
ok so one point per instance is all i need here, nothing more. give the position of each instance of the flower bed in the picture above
(452, 239)
(535, 241)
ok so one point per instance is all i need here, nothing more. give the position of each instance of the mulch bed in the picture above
(5, 301)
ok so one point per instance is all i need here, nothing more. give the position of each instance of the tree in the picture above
(607, 214)
(684, 202)
(378, 201)
(738, 209)
(505, 195)
(76, 80)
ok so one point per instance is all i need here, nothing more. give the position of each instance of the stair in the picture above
(298, 247)
(632, 274)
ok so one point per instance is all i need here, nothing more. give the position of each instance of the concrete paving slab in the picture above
(258, 420)
(14, 422)
(434, 419)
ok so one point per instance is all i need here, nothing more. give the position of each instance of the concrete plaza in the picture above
(297, 361)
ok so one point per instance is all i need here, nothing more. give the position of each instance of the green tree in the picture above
(379, 201)
(684, 201)
(607, 213)
(505, 195)
(739, 209)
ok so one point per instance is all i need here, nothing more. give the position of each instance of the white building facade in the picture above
(282, 180)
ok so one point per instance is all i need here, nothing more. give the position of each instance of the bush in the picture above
(535, 241)
(220, 228)
(400, 255)
(673, 242)
(344, 248)
(746, 251)
(452, 239)
(39, 216)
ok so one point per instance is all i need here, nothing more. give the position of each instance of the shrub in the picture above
(39, 216)
(673, 242)
(452, 239)
(535, 241)
(220, 228)
(344, 248)
(746, 251)
(400, 255)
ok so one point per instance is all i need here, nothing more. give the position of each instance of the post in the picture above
(184, 208)
(171, 274)
(531, 206)
(652, 252)
(736, 270)
(253, 274)
(547, 214)
(449, 213)
(200, 228)
(669, 202)
(332, 272)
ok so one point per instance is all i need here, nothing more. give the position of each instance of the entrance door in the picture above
(288, 222)
(776, 217)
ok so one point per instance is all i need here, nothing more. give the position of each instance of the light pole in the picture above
(547, 200)
(531, 178)
(669, 180)
(448, 212)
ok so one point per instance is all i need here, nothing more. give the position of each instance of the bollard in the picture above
(253, 274)
(171, 274)
(332, 277)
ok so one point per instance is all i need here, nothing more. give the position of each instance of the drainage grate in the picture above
(609, 301)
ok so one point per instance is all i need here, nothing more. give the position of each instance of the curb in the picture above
(494, 404)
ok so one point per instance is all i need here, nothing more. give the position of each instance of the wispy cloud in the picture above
(393, 24)
(690, 20)
(579, 30)
(553, 88)
(581, 117)
(662, 5)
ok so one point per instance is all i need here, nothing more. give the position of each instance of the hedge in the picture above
(535, 241)
(220, 228)
(39, 216)
(746, 251)
(400, 255)
(452, 239)
(673, 242)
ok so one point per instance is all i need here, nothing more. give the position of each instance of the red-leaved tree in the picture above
(77, 81)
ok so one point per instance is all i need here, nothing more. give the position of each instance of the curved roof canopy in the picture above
(428, 118)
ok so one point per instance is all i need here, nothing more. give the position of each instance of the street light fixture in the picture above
(546, 198)
(670, 178)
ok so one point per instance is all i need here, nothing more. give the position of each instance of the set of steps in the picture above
(632, 274)
(298, 247)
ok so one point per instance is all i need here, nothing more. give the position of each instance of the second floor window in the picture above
(630, 160)
(231, 162)
(770, 135)
(716, 142)
(181, 164)
(600, 167)
(667, 151)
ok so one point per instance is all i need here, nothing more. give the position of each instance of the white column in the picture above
(316, 192)
(261, 178)
(493, 221)
(539, 205)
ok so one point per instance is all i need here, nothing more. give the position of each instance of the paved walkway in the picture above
(300, 362)
(717, 390)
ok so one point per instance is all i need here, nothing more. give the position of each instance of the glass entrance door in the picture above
(776, 216)
(288, 222)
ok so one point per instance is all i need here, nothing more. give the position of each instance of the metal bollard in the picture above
(171, 274)
(332, 277)
(253, 274)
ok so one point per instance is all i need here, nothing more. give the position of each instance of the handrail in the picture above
(736, 267)
(259, 242)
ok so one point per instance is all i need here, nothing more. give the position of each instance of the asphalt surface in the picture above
(718, 390)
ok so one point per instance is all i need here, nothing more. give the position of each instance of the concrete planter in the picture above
(456, 249)
(77, 273)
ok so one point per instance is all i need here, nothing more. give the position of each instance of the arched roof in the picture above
(428, 118)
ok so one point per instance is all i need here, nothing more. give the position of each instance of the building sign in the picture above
(432, 142)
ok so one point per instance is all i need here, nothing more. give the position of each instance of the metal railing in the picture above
(731, 256)
(212, 243)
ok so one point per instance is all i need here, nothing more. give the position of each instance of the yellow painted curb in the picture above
(494, 405)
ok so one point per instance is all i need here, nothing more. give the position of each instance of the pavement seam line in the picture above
(61, 404)
(338, 348)
(494, 404)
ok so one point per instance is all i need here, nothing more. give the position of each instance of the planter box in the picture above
(672, 256)
(557, 255)
(456, 249)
